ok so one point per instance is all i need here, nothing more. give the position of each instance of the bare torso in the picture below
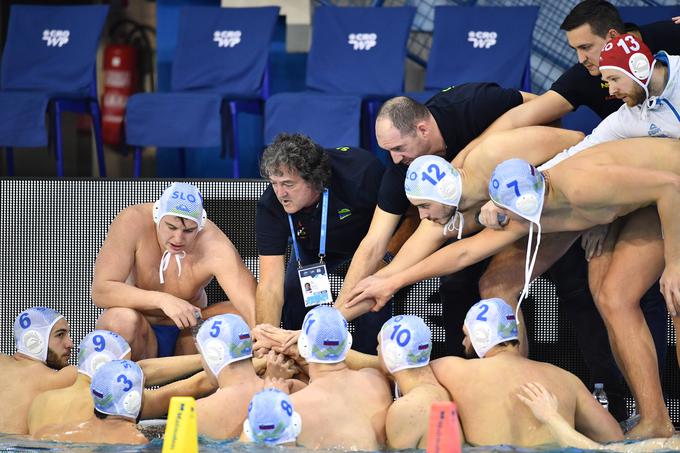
(485, 392)
(344, 409)
(69, 405)
(24, 379)
(221, 415)
(411, 413)
(572, 206)
(107, 431)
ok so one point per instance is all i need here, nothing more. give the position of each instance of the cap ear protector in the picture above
(393, 355)
(447, 187)
(527, 204)
(157, 215)
(34, 342)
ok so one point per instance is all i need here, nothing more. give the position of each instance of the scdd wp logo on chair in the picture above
(227, 38)
(482, 39)
(362, 41)
(56, 38)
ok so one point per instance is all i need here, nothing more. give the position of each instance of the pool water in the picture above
(13, 443)
(18, 444)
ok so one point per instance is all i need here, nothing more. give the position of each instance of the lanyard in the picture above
(322, 239)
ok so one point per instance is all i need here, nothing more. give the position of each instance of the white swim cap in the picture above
(271, 418)
(405, 342)
(224, 339)
(516, 185)
(490, 322)
(100, 347)
(181, 199)
(433, 178)
(117, 388)
(32, 330)
(324, 337)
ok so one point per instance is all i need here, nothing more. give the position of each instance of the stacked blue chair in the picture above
(356, 58)
(481, 44)
(219, 70)
(49, 66)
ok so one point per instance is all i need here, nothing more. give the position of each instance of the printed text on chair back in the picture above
(223, 50)
(359, 50)
(475, 44)
(51, 48)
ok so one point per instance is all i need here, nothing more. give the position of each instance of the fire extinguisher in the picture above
(120, 82)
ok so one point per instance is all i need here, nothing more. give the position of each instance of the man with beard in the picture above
(489, 410)
(649, 87)
(43, 344)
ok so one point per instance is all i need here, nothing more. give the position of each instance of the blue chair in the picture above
(309, 114)
(582, 119)
(219, 70)
(481, 44)
(49, 66)
(355, 51)
(643, 15)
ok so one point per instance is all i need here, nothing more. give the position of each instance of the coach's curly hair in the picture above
(300, 154)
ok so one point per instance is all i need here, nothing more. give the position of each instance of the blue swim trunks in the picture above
(166, 337)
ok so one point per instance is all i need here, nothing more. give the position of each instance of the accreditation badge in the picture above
(316, 289)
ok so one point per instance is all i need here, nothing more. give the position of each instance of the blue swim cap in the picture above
(490, 322)
(516, 185)
(117, 388)
(32, 330)
(324, 337)
(271, 418)
(100, 347)
(224, 339)
(181, 199)
(433, 178)
(405, 342)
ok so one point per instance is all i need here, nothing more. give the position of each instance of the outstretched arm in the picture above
(447, 260)
(162, 370)
(366, 260)
(544, 109)
(543, 404)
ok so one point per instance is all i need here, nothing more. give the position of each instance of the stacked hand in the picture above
(377, 289)
(280, 366)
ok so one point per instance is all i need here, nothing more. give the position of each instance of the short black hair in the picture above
(601, 15)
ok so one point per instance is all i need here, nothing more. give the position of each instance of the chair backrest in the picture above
(330, 120)
(643, 15)
(359, 50)
(582, 119)
(52, 48)
(223, 50)
(481, 44)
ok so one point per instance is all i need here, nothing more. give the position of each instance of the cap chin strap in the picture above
(165, 261)
(451, 224)
(529, 263)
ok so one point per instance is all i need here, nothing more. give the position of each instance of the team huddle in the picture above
(502, 199)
